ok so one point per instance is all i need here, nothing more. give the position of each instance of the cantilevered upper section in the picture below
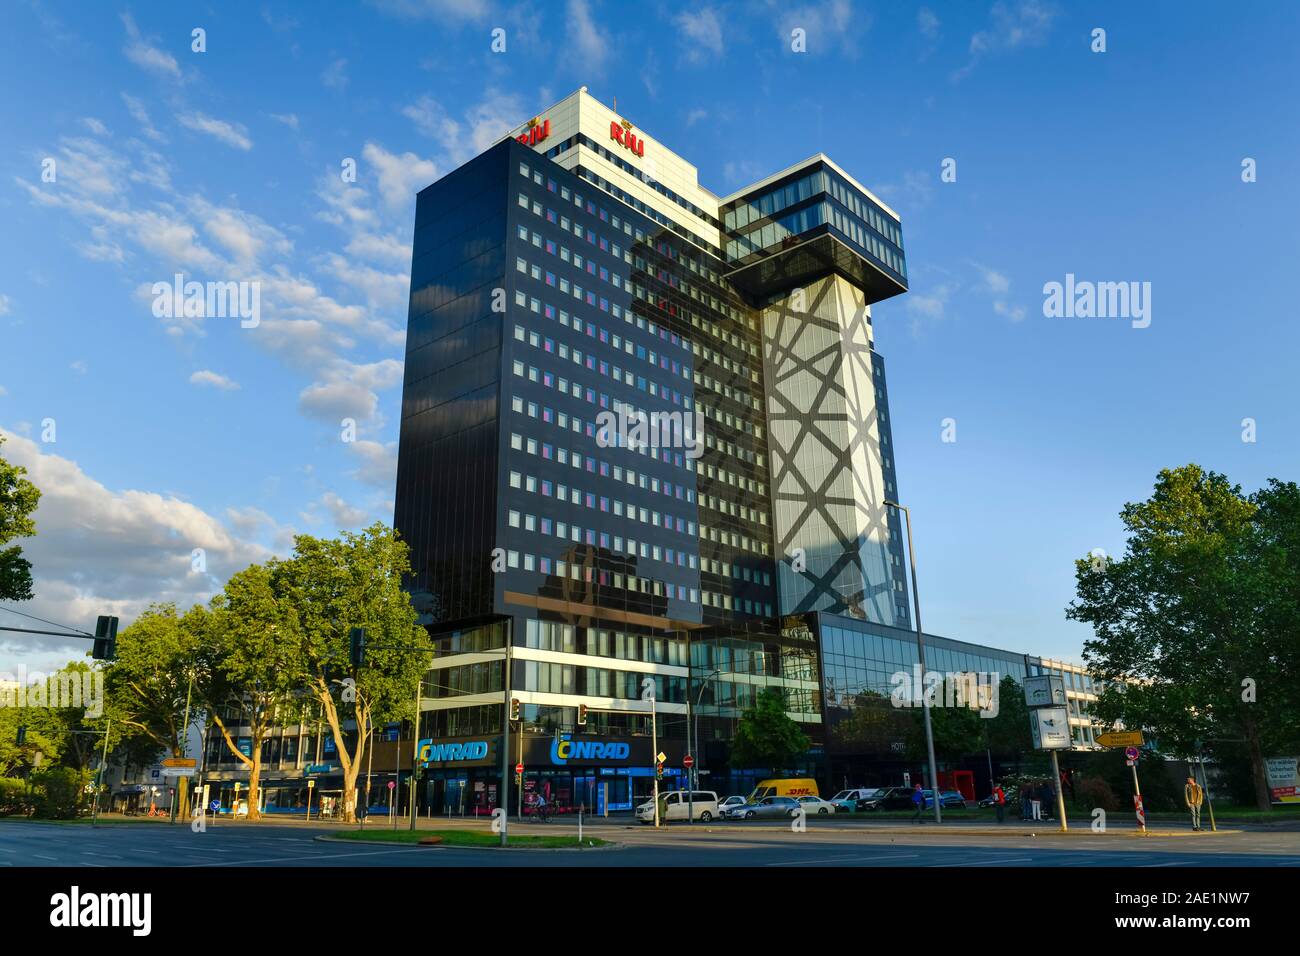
(808, 220)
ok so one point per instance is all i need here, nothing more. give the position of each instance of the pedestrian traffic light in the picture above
(514, 708)
(582, 715)
(22, 734)
(105, 647)
(357, 646)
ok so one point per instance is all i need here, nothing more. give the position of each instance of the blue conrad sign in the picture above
(431, 752)
(564, 749)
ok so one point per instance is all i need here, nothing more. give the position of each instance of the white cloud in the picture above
(232, 134)
(79, 366)
(145, 55)
(213, 379)
(928, 23)
(704, 31)
(95, 126)
(335, 76)
(377, 462)
(590, 44)
(431, 119)
(400, 176)
(4, 304)
(367, 245)
(99, 551)
(434, 9)
(1014, 25)
(346, 517)
(827, 25)
(136, 108)
(288, 119)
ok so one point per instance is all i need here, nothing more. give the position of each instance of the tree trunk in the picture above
(1258, 769)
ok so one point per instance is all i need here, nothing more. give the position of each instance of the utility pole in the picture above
(103, 761)
(920, 651)
(504, 800)
(415, 743)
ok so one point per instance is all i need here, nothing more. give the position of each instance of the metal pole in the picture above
(1137, 790)
(183, 783)
(503, 800)
(519, 795)
(690, 771)
(94, 806)
(920, 652)
(1060, 793)
(415, 743)
(654, 756)
(1205, 785)
(370, 763)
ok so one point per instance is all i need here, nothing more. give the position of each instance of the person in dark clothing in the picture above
(918, 801)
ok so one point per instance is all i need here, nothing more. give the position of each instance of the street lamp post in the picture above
(693, 775)
(920, 651)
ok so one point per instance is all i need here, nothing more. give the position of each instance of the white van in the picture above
(677, 805)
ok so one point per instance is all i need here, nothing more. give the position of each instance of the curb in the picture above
(327, 838)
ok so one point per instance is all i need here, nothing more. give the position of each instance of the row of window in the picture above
(565, 422)
(590, 499)
(580, 571)
(603, 539)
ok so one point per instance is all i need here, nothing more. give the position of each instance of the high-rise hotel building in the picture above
(577, 274)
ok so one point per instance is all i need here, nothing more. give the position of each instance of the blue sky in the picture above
(224, 164)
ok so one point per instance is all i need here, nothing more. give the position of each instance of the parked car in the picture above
(785, 787)
(678, 804)
(766, 807)
(951, 799)
(730, 804)
(851, 800)
(816, 805)
(890, 798)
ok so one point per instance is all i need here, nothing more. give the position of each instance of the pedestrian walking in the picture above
(1193, 796)
(1000, 802)
(918, 801)
(1026, 802)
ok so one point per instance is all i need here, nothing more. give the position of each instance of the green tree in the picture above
(335, 585)
(159, 658)
(253, 641)
(1194, 625)
(1007, 734)
(766, 736)
(18, 499)
(958, 732)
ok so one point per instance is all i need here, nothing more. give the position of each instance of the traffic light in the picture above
(514, 708)
(22, 734)
(357, 646)
(659, 769)
(582, 715)
(105, 647)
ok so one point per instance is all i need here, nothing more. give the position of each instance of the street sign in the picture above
(662, 757)
(179, 771)
(688, 761)
(1131, 754)
(1121, 738)
(179, 762)
(519, 768)
(392, 785)
(1044, 691)
(1050, 728)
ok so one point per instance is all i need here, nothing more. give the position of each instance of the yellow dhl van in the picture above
(785, 787)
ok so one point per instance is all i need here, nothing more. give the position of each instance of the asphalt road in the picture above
(24, 844)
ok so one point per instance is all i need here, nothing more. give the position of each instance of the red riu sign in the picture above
(535, 133)
(625, 137)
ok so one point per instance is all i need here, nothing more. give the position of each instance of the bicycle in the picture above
(539, 815)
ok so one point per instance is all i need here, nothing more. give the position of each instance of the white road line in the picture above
(42, 856)
(314, 856)
(1178, 863)
(844, 859)
(100, 865)
(1020, 859)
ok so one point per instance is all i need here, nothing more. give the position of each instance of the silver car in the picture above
(766, 807)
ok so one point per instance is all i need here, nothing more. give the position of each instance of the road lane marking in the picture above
(1020, 859)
